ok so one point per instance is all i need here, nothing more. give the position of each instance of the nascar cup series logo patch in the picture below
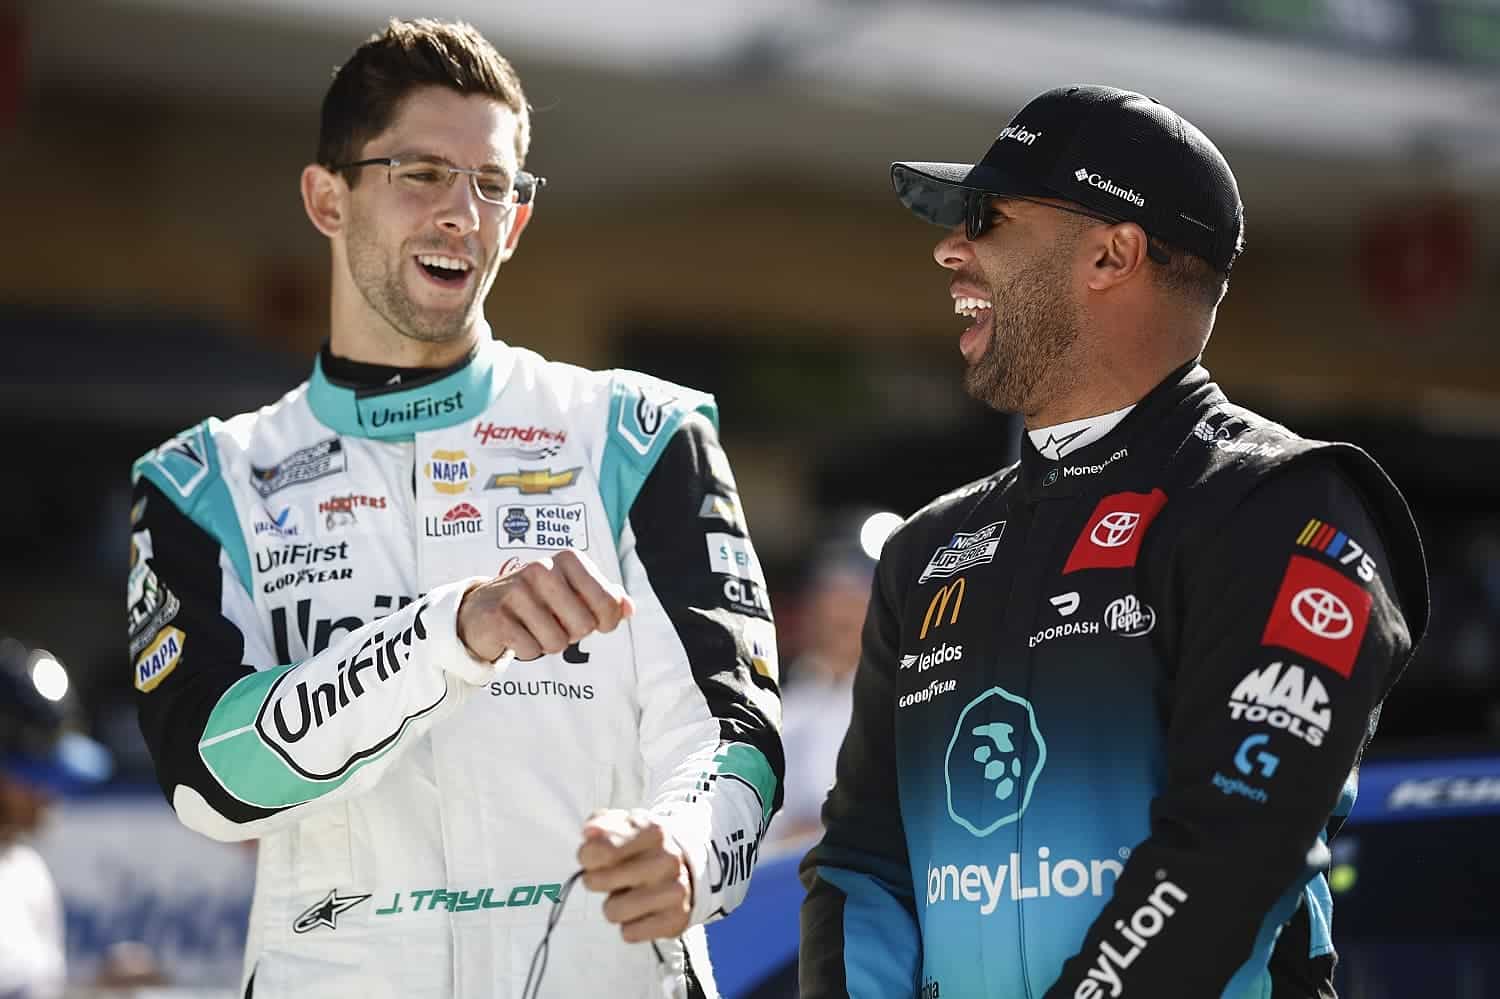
(994, 759)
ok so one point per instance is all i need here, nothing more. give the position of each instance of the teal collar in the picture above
(398, 412)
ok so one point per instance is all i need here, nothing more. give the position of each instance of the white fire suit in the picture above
(295, 579)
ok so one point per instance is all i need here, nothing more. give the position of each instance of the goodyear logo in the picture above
(938, 605)
(159, 659)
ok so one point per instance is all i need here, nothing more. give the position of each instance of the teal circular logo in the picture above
(994, 759)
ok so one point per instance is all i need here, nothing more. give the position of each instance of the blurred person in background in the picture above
(41, 757)
(449, 622)
(819, 692)
(1113, 769)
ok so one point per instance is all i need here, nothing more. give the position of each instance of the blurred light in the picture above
(1342, 878)
(877, 528)
(48, 676)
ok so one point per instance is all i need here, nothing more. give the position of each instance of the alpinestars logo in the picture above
(326, 912)
(1144, 925)
(1108, 186)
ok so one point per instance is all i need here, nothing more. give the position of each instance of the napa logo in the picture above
(994, 759)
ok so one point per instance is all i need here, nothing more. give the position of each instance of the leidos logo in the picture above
(1108, 186)
(939, 603)
(996, 755)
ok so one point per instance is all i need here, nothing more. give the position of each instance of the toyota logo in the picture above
(1322, 613)
(1115, 529)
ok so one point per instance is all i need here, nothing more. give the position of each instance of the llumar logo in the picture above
(939, 604)
(1143, 926)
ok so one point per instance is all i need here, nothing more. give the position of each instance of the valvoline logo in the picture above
(994, 759)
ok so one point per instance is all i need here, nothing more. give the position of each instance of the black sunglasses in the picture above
(978, 212)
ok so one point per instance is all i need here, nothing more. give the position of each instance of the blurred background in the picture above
(719, 213)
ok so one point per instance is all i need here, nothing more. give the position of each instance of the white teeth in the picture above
(971, 307)
(434, 260)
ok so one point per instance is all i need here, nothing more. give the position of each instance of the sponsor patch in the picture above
(461, 520)
(734, 557)
(534, 481)
(316, 461)
(963, 550)
(940, 656)
(994, 759)
(1320, 613)
(1338, 546)
(183, 460)
(1066, 603)
(1285, 697)
(1111, 538)
(938, 606)
(449, 472)
(159, 659)
(746, 596)
(337, 512)
(922, 695)
(283, 523)
(1129, 617)
(326, 912)
(522, 443)
(545, 526)
(760, 636)
(725, 509)
(640, 423)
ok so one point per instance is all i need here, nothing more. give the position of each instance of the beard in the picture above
(1033, 328)
(381, 284)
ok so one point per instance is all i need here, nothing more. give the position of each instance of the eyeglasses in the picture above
(978, 213)
(428, 176)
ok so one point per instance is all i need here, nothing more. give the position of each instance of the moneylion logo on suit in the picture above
(995, 757)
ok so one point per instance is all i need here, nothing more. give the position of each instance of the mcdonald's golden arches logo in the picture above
(939, 604)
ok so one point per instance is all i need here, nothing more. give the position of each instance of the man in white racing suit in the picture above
(449, 622)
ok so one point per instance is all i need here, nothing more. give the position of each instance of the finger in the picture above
(642, 870)
(641, 903)
(603, 835)
(658, 926)
(533, 614)
(605, 599)
(554, 590)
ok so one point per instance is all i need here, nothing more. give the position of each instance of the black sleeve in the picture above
(705, 649)
(859, 929)
(1290, 631)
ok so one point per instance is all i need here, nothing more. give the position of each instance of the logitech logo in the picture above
(995, 755)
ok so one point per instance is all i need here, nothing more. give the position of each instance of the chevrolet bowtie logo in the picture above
(531, 481)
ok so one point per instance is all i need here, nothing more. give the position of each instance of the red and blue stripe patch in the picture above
(1324, 537)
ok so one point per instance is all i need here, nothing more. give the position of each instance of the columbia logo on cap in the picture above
(1109, 187)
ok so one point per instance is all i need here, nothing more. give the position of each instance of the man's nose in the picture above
(953, 250)
(460, 210)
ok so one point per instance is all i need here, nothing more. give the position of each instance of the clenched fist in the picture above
(541, 608)
(632, 857)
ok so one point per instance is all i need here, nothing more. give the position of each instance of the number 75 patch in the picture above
(1338, 546)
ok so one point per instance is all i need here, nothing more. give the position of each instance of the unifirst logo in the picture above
(1019, 133)
(1108, 186)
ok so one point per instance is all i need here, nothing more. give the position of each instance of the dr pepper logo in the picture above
(1320, 613)
(1111, 538)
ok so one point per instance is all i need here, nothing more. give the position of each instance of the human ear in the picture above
(515, 222)
(1116, 255)
(324, 196)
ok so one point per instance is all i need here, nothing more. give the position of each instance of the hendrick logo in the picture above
(1108, 186)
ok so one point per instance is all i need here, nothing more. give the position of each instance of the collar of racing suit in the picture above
(398, 411)
(1106, 459)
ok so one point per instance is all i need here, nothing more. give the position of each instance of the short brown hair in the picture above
(368, 89)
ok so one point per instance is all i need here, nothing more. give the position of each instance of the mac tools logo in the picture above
(996, 755)
(1108, 186)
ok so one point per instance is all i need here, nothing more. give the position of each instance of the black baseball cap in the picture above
(1114, 151)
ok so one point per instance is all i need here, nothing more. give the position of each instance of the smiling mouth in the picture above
(449, 271)
(971, 307)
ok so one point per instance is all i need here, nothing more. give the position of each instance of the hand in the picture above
(642, 867)
(541, 608)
